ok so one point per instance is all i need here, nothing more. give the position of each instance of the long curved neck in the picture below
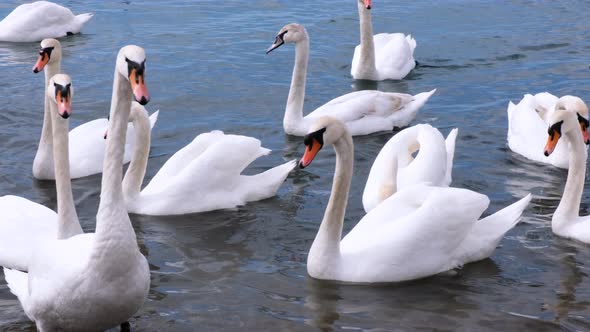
(569, 205)
(326, 246)
(294, 111)
(367, 59)
(113, 227)
(45, 150)
(68, 223)
(136, 171)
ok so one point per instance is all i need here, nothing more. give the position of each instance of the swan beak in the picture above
(311, 151)
(62, 98)
(551, 143)
(367, 4)
(278, 42)
(44, 55)
(140, 91)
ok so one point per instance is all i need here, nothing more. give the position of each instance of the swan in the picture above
(527, 129)
(419, 231)
(34, 21)
(93, 281)
(205, 175)
(363, 112)
(384, 56)
(87, 146)
(25, 223)
(564, 123)
(396, 167)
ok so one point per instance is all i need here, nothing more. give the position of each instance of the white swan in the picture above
(527, 129)
(363, 112)
(384, 56)
(24, 223)
(564, 123)
(93, 281)
(32, 22)
(87, 145)
(420, 231)
(396, 167)
(205, 175)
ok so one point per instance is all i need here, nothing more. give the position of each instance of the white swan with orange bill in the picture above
(419, 231)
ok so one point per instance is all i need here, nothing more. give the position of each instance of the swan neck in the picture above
(326, 246)
(113, 227)
(569, 205)
(45, 149)
(136, 171)
(68, 223)
(294, 111)
(367, 56)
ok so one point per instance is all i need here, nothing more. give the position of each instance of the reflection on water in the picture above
(244, 269)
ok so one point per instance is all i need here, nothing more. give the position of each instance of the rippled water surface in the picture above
(244, 269)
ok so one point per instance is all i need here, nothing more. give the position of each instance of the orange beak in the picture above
(140, 91)
(367, 4)
(310, 152)
(41, 62)
(64, 106)
(551, 143)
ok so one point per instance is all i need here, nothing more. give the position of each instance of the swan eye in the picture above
(555, 128)
(317, 135)
(46, 50)
(583, 121)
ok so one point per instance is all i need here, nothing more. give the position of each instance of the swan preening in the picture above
(396, 167)
(564, 124)
(86, 143)
(419, 231)
(382, 56)
(92, 281)
(363, 112)
(527, 129)
(204, 175)
(35, 21)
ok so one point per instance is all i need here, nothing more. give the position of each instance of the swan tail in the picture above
(154, 118)
(450, 147)
(412, 42)
(83, 18)
(401, 117)
(267, 183)
(18, 282)
(487, 233)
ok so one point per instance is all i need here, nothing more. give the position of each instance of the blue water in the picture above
(244, 269)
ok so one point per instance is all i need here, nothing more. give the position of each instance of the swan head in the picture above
(50, 52)
(131, 65)
(60, 91)
(325, 130)
(290, 33)
(366, 3)
(566, 118)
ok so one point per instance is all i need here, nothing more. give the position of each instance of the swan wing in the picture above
(394, 55)
(23, 225)
(412, 234)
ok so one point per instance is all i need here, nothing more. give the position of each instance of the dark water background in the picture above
(244, 269)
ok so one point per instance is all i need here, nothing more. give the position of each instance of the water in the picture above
(244, 269)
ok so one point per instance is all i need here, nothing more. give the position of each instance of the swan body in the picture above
(93, 281)
(35, 21)
(395, 167)
(563, 123)
(86, 142)
(205, 175)
(363, 112)
(527, 129)
(419, 231)
(384, 56)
